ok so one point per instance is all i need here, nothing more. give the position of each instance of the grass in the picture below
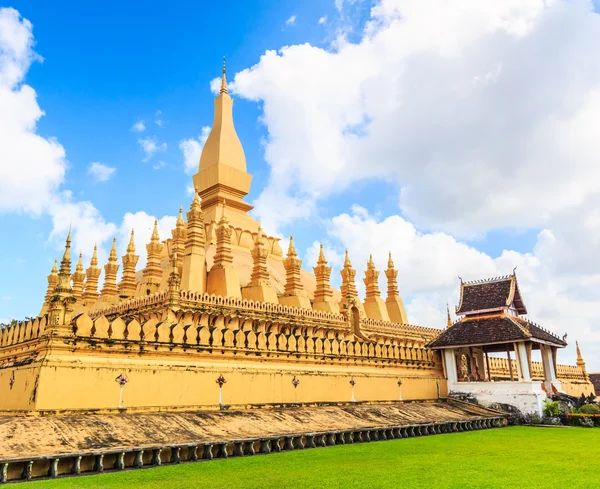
(515, 457)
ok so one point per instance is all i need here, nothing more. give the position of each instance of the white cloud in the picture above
(100, 172)
(291, 20)
(323, 19)
(150, 146)
(159, 165)
(32, 167)
(87, 224)
(483, 113)
(139, 126)
(158, 119)
(142, 224)
(192, 149)
(514, 113)
(429, 265)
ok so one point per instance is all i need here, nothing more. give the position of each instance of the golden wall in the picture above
(173, 357)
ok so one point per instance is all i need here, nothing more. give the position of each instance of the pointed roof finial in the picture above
(390, 261)
(370, 263)
(291, 248)
(94, 260)
(449, 323)
(223, 78)
(54, 270)
(131, 245)
(347, 260)
(321, 254)
(113, 251)
(155, 236)
(79, 267)
(65, 264)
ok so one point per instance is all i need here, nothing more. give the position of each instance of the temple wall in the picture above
(572, 379)
(68, 383)
(173, 358)
(21, 395)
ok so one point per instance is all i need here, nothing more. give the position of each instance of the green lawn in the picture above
(515, 457)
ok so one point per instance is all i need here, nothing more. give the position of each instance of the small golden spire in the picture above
(323, 292)
(78, 279)
(449, 322)
(54, 270)
(370, 263)
(390, 261)
(223, 78)
(131, 245)
(180, 216)
(65, 264)
(79, 267)
(291, 248)
(347, 263)
(94, 260)
(322, 258)
(155, 237)
(113, 251)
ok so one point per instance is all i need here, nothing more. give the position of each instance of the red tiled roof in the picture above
(490, 295)
(484, 330)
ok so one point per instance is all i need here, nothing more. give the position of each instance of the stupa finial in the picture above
(131, 245)
(223, 78)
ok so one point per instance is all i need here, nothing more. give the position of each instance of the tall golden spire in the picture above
(109, 292)
(580, 362)
(90, 293)
(393, 302)
(78, 279)
(449, 323)
(127, 286)
(222, 173)
(348, 288)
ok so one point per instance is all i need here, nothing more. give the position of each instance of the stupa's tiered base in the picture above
(52, 446)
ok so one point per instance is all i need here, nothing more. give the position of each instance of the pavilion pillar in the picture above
(522, 362)
(548, 363)
(450, 361)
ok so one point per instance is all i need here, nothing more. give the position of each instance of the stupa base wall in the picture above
(70, 382)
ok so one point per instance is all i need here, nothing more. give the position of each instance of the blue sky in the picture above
(446, 173)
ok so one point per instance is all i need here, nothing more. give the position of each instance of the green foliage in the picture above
(522, 457)
(551, 409)
(589, 409)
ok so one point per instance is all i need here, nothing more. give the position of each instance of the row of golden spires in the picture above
(187, 237)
